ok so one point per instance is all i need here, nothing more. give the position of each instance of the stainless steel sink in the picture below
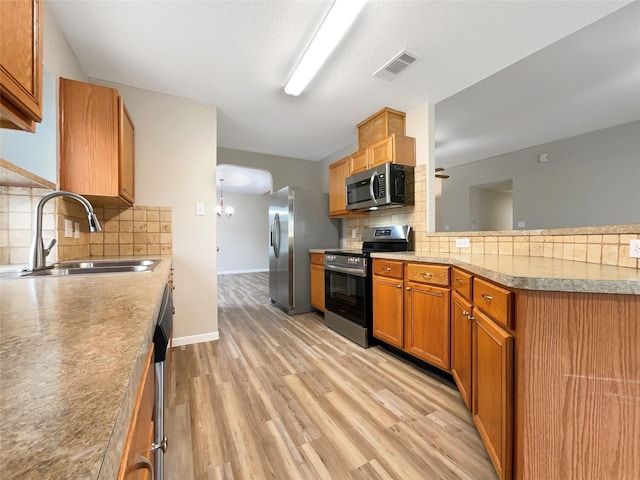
(90, 267)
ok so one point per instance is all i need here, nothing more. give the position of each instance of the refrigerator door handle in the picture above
(276, 236)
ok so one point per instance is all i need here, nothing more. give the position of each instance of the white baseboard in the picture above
(255, 270)
(191, 339)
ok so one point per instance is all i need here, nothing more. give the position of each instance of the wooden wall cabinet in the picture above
(317, 281)
(338, 173)
(140, 435)
(396, 149)
(97, 144)
(380, 125)
(21, 54)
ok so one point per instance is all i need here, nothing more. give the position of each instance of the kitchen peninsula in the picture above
(558, 359)
(72, 354)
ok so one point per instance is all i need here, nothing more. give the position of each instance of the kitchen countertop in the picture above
(535, 273)
(72, 353)
(531, 273)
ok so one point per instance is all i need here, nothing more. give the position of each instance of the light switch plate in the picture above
(68, 228)
(462, 243)
(200, 209)
(634, 248)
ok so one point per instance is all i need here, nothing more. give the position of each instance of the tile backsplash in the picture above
(607, 245)
(138, 230)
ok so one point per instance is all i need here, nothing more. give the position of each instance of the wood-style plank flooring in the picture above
(280, 397)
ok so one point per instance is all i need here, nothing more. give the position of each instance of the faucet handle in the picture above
(48, 248)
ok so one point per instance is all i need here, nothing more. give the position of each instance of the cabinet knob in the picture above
(408, 288)
(400, 286)
(487, 297)
(459, 280)
(387, 269)
(125, 188)
(465, 313)
(426, 274)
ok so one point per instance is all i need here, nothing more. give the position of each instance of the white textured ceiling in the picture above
(238, 55)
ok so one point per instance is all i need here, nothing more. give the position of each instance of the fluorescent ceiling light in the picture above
(339, 19)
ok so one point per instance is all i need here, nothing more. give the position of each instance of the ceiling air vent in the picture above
(393, 67)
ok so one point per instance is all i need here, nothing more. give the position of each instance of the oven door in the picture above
(345, 293)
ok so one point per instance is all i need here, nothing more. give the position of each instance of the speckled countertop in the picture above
(72, 352)
(535, 273)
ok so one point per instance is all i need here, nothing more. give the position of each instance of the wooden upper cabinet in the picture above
(380, 125)
(395, 149)
(358, 161)
(20, 64)
(97, 144)
(338, 173)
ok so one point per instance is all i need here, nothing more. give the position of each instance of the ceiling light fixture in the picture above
(334, 26)
(220, 210)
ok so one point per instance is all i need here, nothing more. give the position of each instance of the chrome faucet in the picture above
(38, 254)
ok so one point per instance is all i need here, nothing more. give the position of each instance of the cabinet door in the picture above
(461, 337)
(317, 286)
(140, 435)
(338, 172)
(359, 161)
(387, 310)
(427, 324)
(126, 154)
(20, 64)
(492, 396)
(381, 152)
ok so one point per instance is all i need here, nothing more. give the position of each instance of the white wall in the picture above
(243, 239)
(176, 167)
(589, 180)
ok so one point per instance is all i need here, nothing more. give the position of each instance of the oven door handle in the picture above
(349, 271)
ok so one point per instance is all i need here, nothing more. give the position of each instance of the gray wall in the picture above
(243, 239)
(590, 179)
(284, 171)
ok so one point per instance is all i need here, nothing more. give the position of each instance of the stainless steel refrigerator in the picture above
(298, 221)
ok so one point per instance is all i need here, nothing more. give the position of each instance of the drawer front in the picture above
(431, 274)
(387, 268)
(461, 283)
(317, 258)
(495, 301)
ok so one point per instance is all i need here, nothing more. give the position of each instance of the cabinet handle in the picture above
(125, 188)
(408, 288)
(465, 313)
(426, 274)
(486, 297)
(469, 317)
(145, 463)
(400, 286)
(459, 280)
(387, 269)
(162, 445)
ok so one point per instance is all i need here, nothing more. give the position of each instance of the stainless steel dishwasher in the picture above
(161, 338)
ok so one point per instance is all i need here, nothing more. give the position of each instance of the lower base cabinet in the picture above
(140, 435)
(388, 323)
(461, 345)
(317, 281)
(493, 391)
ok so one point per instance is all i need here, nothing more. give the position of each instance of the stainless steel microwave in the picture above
(387, 185)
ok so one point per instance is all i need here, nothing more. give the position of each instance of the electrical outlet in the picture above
(354, 232)
(462, 243)
(521, 224)
(199, 209)
(634, 248)
(68, 228)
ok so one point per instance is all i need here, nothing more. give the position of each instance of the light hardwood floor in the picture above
(281, 397)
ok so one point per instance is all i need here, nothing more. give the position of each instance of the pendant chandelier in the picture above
(220, 209)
